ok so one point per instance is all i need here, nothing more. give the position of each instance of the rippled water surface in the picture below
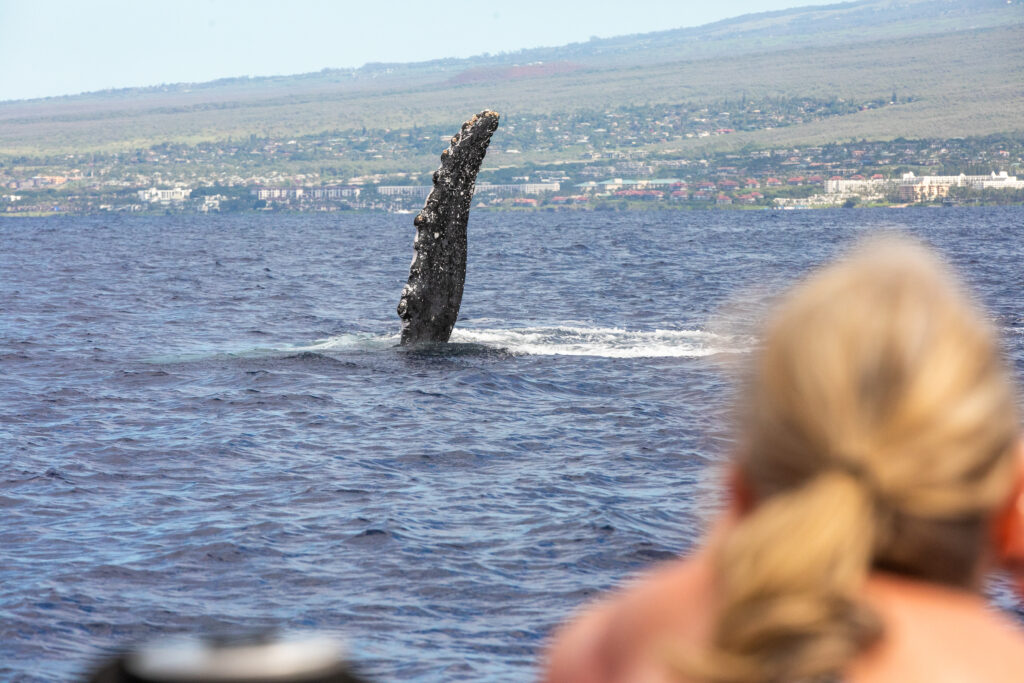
(206, 426)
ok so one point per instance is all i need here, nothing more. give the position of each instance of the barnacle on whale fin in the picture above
(430, 301)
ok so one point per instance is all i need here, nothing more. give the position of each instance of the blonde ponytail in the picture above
(790, 574)
(878, 430)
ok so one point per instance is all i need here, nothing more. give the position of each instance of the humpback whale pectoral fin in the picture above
(430, 301)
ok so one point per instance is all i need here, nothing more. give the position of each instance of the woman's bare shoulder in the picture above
(938, 634)
(932, 633)
(611, 637)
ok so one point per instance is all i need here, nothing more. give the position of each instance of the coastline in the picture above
(638, 207)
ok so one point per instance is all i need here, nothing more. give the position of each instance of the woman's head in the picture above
(881, 368)
(878, 429)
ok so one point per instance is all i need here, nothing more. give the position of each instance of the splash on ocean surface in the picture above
(207, 425)
(561, 341)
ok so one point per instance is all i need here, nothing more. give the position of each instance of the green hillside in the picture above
(960, 62)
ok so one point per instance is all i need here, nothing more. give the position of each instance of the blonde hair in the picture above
(877, 431)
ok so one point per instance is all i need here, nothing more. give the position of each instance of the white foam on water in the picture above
(357, 341)
(563, 340)
(606, 342)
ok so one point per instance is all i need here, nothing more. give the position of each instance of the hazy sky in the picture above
(58, 47)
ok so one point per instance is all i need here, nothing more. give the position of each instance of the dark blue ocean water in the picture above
(205, 426)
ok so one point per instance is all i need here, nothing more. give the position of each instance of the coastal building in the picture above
(876, 185)
(923, 189)
(212, 203)
(413, 191)
(510, 190)
(334, 193)
(45, 181)
(913, 188)
(279, 193)
(154, 195)
(502, 190)
(613, 185)
(269, 194)
(929, 187)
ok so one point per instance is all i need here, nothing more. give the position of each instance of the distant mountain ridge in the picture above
(807, 26)
(763, 31)
(797, 27)
(961, 61)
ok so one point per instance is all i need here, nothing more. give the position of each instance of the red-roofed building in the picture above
(773, 182)
(796, 180)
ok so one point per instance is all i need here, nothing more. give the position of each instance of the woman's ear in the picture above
(1009, 528)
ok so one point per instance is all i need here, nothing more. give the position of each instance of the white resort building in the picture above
(913, 188)
(922, 188)
(154, 195)
(503, 190)
(315, 193)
